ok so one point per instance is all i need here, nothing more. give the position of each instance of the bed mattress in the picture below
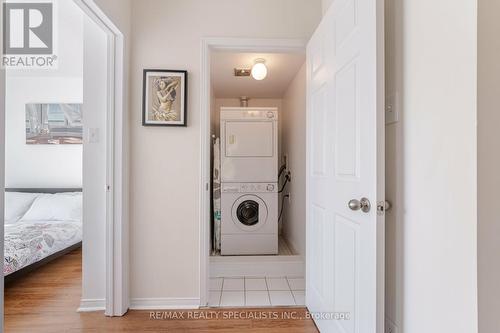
(27, 242)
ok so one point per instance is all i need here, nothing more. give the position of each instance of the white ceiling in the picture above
(282, 68)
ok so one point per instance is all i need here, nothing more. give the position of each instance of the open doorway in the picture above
(59, 172)
(44, 151)
(258, 130)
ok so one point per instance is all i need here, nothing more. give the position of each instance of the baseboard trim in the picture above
(91, 305)
(164, 303)
(237, 266)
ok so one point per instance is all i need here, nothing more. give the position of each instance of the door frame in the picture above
(207, 46)
(116, 301)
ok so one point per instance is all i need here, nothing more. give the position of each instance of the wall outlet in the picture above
(390, 327)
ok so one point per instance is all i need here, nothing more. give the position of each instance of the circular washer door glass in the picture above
(248, 212)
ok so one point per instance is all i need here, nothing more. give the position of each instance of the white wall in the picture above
(488, 165)
(293, 122)
(119, 12)
(40, 166)
(432, 167)
(325, 4)
(94, 159)
(46, 165)
(165, 161)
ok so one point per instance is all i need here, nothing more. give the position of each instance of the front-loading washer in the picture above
(249, 218)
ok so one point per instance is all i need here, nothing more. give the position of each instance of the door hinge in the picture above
(206, 186)
(383, 206)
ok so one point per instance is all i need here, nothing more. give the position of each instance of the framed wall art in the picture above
(54, 124)
(164, 97)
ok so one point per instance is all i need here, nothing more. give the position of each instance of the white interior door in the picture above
(345, 161)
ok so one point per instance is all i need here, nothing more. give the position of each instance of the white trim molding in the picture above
(236, 45)
(92, 305)
(164, 303)
(117, 259)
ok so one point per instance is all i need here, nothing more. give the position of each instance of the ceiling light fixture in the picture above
(259, 69)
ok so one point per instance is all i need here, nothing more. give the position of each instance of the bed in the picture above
(40, 226)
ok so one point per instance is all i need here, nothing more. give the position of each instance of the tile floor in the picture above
(256, 291)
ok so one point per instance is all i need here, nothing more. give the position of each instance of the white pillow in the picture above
(55, 207)
(16, 204)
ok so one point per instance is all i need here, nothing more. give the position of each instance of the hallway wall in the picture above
(165, 162)
(431, 234)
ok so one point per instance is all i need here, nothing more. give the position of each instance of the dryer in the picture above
(249, 145)
(249, 218)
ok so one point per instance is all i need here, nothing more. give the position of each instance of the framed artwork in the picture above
(54, 124)
(164, 98)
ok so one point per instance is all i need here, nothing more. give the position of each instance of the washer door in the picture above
(249, 212)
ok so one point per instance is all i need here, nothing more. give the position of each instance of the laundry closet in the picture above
(258, 116)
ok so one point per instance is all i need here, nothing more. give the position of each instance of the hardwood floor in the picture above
(46, 301)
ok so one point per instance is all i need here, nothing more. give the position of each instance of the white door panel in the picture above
(345, 134)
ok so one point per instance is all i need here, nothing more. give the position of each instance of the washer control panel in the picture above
(250, 188)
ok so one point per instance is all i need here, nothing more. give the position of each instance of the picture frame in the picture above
(164, 97)
(54, 123)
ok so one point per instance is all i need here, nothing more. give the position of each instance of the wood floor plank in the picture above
(45, 301)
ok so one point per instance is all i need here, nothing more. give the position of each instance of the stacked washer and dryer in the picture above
(249, 181)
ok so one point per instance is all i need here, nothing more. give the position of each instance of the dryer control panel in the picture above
(249, 188)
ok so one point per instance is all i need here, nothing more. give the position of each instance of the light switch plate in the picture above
(392, 108)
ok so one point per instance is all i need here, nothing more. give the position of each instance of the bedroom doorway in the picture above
(72, 131)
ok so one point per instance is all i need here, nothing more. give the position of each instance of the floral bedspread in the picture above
(29, 242)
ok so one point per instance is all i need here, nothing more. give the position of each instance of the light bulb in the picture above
(259, 70)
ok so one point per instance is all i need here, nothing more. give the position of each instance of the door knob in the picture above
(363, 204)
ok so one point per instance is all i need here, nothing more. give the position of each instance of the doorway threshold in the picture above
(257, 266)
